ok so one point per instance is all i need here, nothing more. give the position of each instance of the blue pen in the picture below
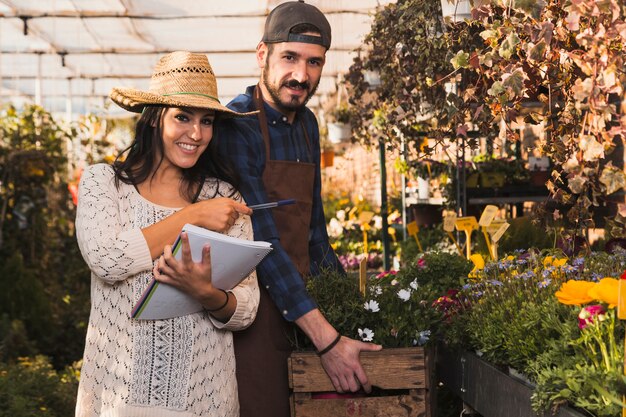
(273, 204)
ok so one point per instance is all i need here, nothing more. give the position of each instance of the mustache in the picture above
(295, 83)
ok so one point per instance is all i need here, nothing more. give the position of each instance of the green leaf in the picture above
(460, 60)
(507, 49)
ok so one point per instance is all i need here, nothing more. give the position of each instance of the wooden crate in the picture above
(401, 377)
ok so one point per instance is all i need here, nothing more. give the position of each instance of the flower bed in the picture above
(509, 313)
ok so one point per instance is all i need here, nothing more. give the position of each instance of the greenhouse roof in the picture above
(67, 54)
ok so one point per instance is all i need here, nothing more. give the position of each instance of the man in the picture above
(277, 155)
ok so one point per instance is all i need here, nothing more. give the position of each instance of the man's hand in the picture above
(343, 366)
(341, 363)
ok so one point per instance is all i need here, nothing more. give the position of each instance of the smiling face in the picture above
(291, 72)
(186, 134)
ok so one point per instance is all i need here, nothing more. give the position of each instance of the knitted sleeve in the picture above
(112, 252)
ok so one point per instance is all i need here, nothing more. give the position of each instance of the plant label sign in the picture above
(489, 213)
(449, 221)
(466, 223)
(412, 228)
(365, 217)
(498, 233)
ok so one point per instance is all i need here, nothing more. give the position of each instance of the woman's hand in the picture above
(218, 214)
(193, 278)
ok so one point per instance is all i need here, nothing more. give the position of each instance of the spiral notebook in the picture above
(232, 260)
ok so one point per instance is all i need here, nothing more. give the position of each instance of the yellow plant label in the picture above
(495, 225)
(366, 217)
(498, 234)
(621, 300)
(412, 228)
(363, 275)
(488, 215)
(448, 222)
(466, 223)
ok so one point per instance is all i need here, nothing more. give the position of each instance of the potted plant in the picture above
(397, 311)
(426, 170)
(339, 129)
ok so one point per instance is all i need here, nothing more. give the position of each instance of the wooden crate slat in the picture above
(402, 368)
(412, 405)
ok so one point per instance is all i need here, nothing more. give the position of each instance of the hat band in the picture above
(187, 93)
(296, 37)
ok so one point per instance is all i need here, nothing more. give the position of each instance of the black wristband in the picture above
(223, 305)
(330, 346)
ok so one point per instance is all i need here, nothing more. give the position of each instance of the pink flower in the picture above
(589, 313)
(421, 263)
(386, 274)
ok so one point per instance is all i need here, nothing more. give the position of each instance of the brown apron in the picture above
(261, 350)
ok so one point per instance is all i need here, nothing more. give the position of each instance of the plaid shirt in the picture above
(240, 140)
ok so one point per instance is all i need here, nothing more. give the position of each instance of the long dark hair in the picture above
(140, 162)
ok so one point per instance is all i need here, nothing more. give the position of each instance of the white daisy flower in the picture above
(366, 335)
(372, 305)
(404, 295)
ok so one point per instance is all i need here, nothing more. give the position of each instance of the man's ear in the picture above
(261, 54)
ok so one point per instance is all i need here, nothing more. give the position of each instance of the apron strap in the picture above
(258, 103)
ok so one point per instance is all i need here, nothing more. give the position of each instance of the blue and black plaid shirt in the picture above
(241, 141)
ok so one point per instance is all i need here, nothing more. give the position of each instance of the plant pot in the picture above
(486, 389)
(372, 78)
(327, 158)
(401, 377)
(456, 10)
(339, 132)
(423, 188)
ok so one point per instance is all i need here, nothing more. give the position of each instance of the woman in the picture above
(128, 215)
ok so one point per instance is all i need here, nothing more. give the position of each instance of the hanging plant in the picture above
(558, 63)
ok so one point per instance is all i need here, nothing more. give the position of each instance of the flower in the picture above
(414, 284)
(589, 313)
(372, 305)
(366, 335)
(606, 291)
(386, 274)
(422, 338)
(404, 295)
(574, 292)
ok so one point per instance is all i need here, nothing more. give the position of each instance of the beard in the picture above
(293, 103)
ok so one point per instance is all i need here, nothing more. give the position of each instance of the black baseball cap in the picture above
(285, 16)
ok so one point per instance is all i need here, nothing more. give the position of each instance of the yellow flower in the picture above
(575, 292)
(547, 261)
(606, 291)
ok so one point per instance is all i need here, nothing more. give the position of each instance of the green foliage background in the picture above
(44, 297)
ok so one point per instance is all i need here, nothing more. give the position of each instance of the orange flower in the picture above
(575, 292)
(605, 291)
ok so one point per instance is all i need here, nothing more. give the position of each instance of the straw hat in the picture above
(180, 79)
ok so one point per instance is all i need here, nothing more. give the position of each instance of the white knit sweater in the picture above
(183, 367)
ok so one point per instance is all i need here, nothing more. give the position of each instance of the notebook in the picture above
(232, 260)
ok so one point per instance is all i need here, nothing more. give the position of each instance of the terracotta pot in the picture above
(327, 158)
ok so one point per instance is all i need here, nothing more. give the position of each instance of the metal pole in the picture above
(403, 182)
(383, 204)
